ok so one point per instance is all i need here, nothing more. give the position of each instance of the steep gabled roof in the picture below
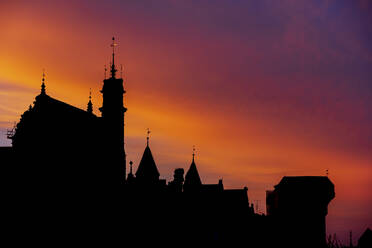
(147, 169)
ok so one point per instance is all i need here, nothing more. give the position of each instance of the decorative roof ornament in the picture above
(90, 104)
(113, 69)
(193, 153)
(148, 136)
(43, 83)
(131, 167)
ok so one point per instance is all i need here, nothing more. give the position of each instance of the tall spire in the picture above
(43, 84)
(90, 104)
(148, 136)
(192, 178)
(113, 69)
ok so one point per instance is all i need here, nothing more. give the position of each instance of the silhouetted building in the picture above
(298, 207)
(66, 171)
(365, 239)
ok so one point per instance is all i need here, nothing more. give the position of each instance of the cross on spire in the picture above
(113, 69)
(148, 136)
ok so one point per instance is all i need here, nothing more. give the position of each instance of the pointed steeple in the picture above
(43, 84)
(90, 104)
(113, 69)
(147, 170)
(192, 178)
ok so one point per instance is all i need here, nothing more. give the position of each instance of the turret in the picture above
(113, 111)
(192, 178)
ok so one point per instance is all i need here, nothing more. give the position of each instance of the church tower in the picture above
(113, 111)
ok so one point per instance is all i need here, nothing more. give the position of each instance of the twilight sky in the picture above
(264, 89)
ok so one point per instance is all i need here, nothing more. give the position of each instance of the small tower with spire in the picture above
(147, 171)
(43, 84)
(130, 177)
(90, 104)
(113, 111)
(192, 178)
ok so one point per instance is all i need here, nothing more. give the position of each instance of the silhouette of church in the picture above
(66, 171)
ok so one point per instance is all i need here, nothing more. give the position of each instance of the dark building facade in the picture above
(298, 207)
(365, 239)
(67, 183)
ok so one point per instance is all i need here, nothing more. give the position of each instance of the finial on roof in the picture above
(43, 83)
(90, 104)
(121, 71)
(113, 69)
(105, 72)
(130, 167)
(193, 153)
(148, 136)
(327, 172)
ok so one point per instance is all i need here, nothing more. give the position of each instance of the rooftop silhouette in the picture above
(67, 183)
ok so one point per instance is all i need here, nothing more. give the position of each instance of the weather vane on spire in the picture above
(148, 136)
(113, 69)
